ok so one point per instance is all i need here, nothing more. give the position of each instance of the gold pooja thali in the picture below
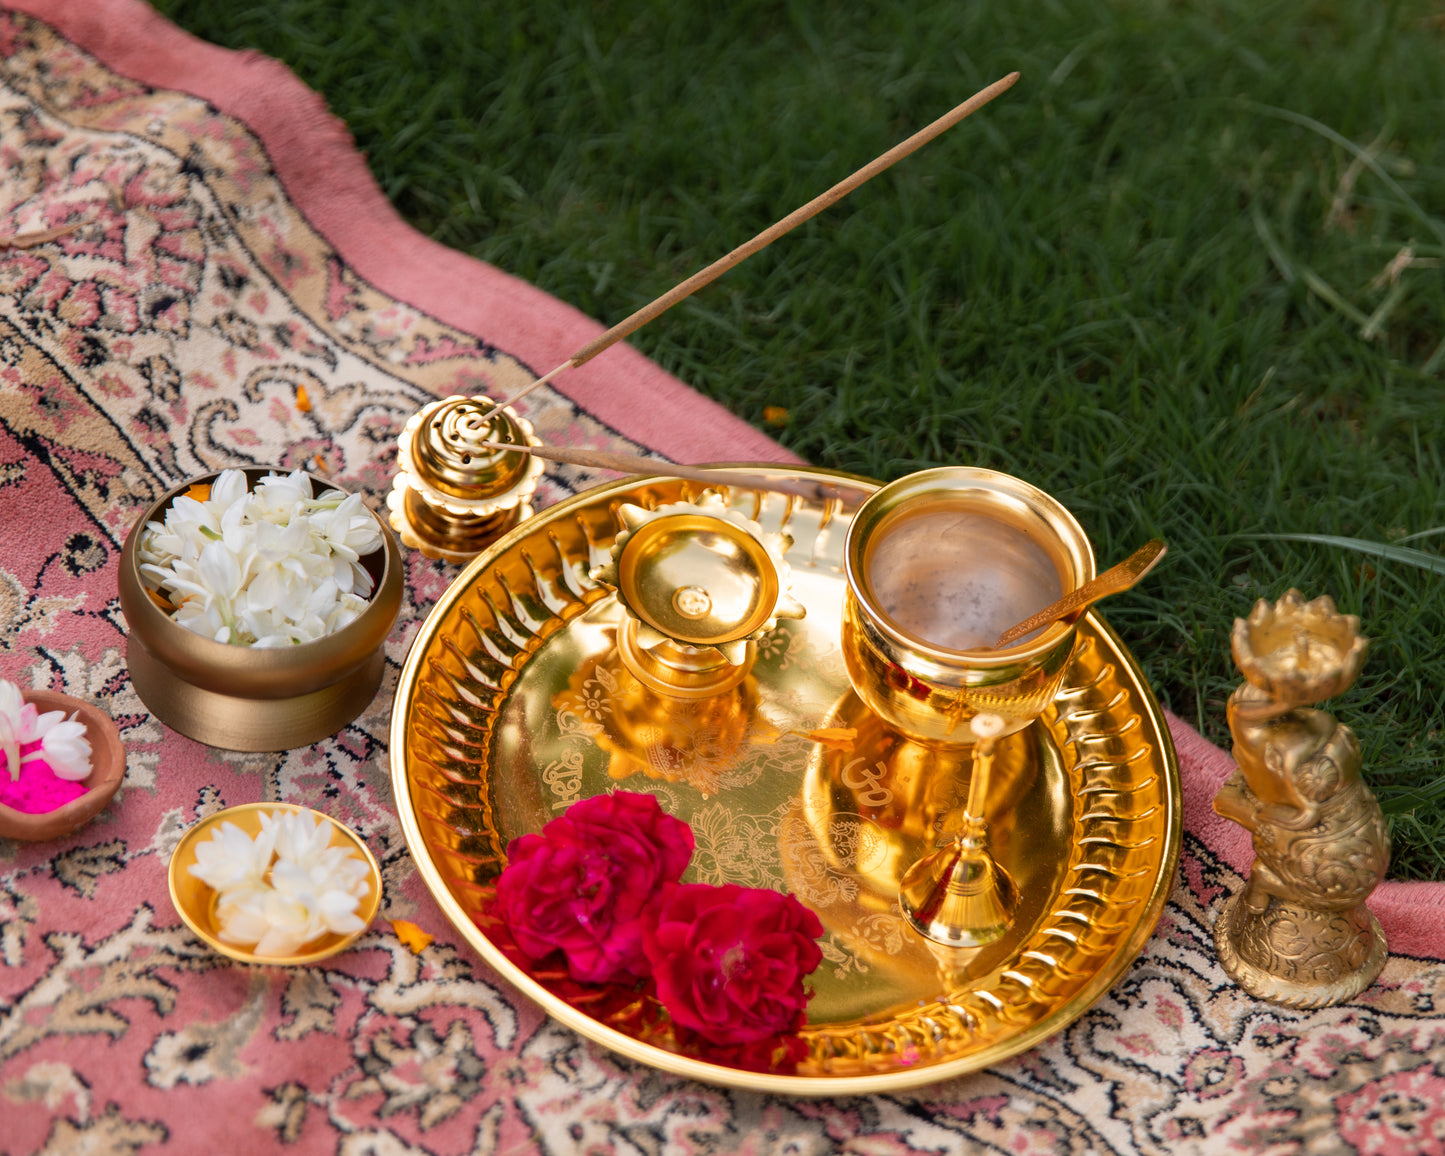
(514, 703)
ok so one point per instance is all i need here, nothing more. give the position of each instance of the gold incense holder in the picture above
(698, 585)
(1299, 933)
(453, 496)
(245, 698)
(938, 565)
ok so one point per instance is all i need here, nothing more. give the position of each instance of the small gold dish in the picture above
(245, 698)
(195, 902)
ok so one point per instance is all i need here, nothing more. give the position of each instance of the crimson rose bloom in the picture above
(729, 961)
(587, 884)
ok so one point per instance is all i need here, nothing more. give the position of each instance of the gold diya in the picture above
(517, 699)
(246, 698)
(699, 585)
(195, 902)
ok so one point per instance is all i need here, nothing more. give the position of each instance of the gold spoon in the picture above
(1114, 580)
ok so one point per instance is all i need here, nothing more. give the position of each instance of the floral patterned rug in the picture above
(190, 241)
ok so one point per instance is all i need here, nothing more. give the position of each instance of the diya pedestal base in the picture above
(1298, 956)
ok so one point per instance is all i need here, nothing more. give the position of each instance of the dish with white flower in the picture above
(268, 565)
(275, 883)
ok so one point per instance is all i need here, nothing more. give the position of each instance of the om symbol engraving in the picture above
(867, 782)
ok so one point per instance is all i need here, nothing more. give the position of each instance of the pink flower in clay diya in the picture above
(45, 756)
(729, 961)
(588, 883)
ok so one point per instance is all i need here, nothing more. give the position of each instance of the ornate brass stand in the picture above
(1298, 934)
(453, 496)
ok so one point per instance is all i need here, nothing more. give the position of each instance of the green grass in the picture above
(1154, 278)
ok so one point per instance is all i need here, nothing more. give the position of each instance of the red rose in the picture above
(588, 882)
(729, 961)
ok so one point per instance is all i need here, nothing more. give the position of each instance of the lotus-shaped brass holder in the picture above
(1299, 933)
(698, 584)
(454, 495)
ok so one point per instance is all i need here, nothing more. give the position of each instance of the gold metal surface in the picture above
(1115, 580)
(938, 564)
(1299, 934)
(454, 493)
(957, 895)
(246, 698)
(195, 902)
(699, 585)
(513, 704)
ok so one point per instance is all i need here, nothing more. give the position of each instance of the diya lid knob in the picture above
(454, 494)
(698, 584)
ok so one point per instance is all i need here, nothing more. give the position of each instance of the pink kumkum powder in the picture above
(38, 789)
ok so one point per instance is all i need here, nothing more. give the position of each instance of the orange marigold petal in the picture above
(411, 935)
(303, 399)
(840, 738)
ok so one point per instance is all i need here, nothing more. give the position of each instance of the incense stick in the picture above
(842, 490)
(766, 237)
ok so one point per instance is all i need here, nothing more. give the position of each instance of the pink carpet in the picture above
(230, 247)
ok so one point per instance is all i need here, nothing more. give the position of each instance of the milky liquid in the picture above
(958, 578)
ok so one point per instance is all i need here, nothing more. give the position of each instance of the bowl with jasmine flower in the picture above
(258, 602)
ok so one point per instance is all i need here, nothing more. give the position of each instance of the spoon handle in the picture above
(1112, 581)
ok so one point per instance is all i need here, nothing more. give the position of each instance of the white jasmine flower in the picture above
(285, 888)
(231, 860)
(66, 748)
(12, 702)
(63, 741)
(241, 915)
(300, 836)
(268, 567)
(280, 498)
(11, 707)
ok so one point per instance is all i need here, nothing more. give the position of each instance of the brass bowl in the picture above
(912, 653)
(195, 902)
(244, 698)
(107, 770)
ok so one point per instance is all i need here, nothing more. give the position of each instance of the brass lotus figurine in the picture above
(1299, 933)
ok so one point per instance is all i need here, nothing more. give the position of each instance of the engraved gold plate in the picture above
(513, 704)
